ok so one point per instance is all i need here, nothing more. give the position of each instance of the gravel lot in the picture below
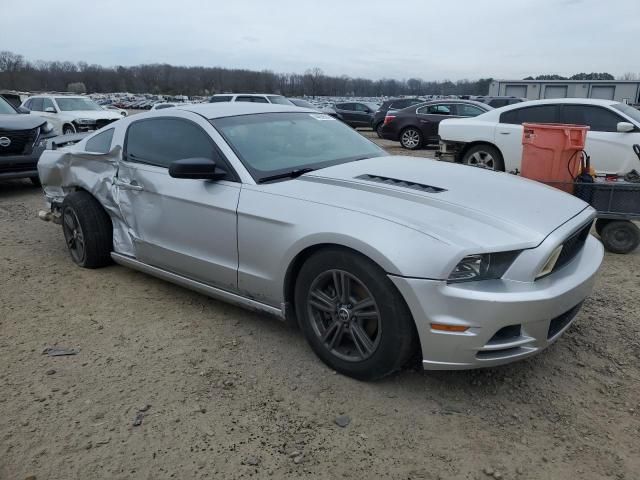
(226, 393)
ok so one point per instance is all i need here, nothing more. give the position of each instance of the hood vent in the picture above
(401, 183)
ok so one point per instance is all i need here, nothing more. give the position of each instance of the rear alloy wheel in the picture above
(620, 236)
(484, 156)
(411, 138)
(352, 315)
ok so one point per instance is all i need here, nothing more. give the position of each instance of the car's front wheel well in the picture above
(470, 145)
(68, 125)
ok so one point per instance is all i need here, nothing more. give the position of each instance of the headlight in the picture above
(551, 263)
(46, 128)
(85, 121)
(485, 266)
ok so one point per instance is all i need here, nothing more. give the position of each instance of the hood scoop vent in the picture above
(401, 183)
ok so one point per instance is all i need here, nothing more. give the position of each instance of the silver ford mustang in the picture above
(288, 211)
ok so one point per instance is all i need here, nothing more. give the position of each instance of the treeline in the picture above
(577, 76)
(17, 73)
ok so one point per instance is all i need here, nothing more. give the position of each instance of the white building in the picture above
(621, 90)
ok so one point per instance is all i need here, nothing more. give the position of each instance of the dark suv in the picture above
(393, 104)
(22, 140)
(497, 102)
(356, 114)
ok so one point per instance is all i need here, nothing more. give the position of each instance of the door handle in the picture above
(128, 186)
(505, 133)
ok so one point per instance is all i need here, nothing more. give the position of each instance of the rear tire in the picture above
(378, 129)
(620, 236)
(334, 318)
(87, 230)
(484, 156)
(411, 138)
(600, 224)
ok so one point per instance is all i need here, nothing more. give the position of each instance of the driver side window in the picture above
(160, 141)
(47, 103)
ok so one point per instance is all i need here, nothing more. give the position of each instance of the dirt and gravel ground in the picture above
(226, 393)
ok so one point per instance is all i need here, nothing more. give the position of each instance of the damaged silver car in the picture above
(287, 211)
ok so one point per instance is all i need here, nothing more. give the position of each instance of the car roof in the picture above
(232, 109)
(247, 95)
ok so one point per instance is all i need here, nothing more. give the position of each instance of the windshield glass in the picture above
(280, 100)
(273, 143)
(5, 108)
(68, 104)
(628, 111)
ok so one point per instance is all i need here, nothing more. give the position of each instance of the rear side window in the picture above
(221, 98)
(36, 105)
(535, 114)
(345, 106)
(465, 110)
(598, 118)
(439, 109)
(100, 143)
(161, 141)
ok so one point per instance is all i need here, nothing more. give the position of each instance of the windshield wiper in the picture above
(292, 174)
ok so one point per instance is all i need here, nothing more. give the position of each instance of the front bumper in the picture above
(543, 310)
(22, 166)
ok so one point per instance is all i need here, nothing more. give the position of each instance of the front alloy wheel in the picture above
(352, 315)
(344, 315)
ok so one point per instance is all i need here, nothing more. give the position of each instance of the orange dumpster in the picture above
(551, 153)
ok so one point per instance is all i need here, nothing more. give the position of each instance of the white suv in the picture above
(251, 97)
(494, 139)
(70, 113)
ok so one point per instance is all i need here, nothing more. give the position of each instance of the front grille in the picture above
(102, 122)
(21, 141)
(561, 321)
(572, 246)
(401, 183)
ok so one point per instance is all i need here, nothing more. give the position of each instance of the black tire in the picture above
(68, 130)
(620, 236)
(378, 129)
(600, 224)
(385, 319)
(85, 223)
(484, 156)
(35, 181)
(411, 138)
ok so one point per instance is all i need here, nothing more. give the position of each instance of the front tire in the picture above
(87, 229)
(352, 315)
(484, 156)
(411, 138)
(68, 130)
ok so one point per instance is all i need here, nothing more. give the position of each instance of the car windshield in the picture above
(628, 111)
(276, 143)
(5, 108)
(68, 104)
(280, 100)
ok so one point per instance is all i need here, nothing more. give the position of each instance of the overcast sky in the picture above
(429, 39)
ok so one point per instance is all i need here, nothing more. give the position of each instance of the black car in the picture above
(417, 126)
(22, 140)
(393, 104)
(356, 114)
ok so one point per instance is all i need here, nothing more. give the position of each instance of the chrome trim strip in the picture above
(503, 346)
(203, 288)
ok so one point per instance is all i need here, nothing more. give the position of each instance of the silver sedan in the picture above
(287, 211)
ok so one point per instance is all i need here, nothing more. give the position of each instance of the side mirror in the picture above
(625, 127)
(50, 110)
(24, 110)
(197, 169)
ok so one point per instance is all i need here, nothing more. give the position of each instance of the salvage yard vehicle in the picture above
(22, 139)
(387, 105)
(356, 114)
(287, 211)
(417, 126)
(494, 140)
(70, 113)
(251, 98)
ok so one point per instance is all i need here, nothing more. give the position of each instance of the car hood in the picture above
(20, 122)
(475, 209)
(93, 114)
